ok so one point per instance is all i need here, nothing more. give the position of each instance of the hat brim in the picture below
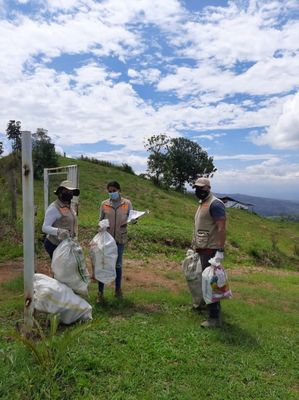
(76, 192)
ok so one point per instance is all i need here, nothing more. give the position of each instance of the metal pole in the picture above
(46, 190)
(28, 229)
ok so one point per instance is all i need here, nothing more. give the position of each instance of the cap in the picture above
(202, 182)
(68, 185)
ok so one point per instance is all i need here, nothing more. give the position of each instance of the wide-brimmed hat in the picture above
(68, 185)
(201, 182)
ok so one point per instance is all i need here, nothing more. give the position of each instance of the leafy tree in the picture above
(156, 145)
(1, 148)
(43, 153)
(13, 132)
(173, 162)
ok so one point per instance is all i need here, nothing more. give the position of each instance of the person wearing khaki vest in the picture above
(60, 219)
(209, 237)
(116, 209)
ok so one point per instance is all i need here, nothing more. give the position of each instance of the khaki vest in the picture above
(205, 231)
(67, 221)
(117, 219)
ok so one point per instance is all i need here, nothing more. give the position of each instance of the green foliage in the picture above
(43, 153)
(124, 167)
(13, 132)
(175, 161)
(1, 148)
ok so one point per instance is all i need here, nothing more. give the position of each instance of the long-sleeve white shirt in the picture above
(52, 215)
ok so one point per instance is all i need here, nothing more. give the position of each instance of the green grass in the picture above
(151, 346)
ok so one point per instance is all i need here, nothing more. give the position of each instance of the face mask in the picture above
(201, 194)
(114, 195)
(65, 197)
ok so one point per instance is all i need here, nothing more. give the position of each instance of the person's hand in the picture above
(133, 221)
(63, 234)
(93, 278)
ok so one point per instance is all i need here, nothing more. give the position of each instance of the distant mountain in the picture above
(266, 206)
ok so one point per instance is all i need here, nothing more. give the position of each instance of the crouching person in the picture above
(116, 209)
(60, 219)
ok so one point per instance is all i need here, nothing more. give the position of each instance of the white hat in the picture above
(202, 182)
(68, 185)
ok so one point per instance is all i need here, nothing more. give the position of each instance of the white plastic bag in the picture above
(68, 266)
(192, 269)
(215, 284)
(103, 254)
(55, 297)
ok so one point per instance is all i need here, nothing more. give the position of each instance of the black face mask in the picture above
(200, 193)
(65, 197)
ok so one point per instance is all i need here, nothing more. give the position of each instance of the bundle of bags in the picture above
(211, 285)
(60, 295)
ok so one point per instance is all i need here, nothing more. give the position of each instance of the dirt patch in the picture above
(136, 274)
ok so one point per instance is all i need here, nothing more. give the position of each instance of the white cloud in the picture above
(284, 134)
(211, 136)
(248, 157)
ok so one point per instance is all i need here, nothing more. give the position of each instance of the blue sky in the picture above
(102, 76)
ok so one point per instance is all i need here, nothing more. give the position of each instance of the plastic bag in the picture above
(192, 269)
(103, 254)
(68, 266)
(215, 284)
(55, 297)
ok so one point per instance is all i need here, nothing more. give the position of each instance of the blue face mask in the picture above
(114, 195)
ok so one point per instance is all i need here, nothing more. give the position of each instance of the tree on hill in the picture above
(43, 153)
(1, 148)
(173, 162)
(13, 132)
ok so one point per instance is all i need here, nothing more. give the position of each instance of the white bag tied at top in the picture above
(54, 297)
(192, 269)
(215, 283)
(69, 267)
(103, 254)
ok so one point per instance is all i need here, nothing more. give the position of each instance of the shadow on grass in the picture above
(233, 335)
(124, 307)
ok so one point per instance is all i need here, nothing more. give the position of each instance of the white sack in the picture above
(53, 297)
(215, 284)
(68, 266)
(103, 254)
(192, 269)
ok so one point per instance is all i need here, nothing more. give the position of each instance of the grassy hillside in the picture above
(167, 230)
(150, 345)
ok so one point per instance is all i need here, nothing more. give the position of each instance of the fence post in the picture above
(28, 229)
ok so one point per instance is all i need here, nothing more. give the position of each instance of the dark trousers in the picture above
(50, 247)
(118, 269)
(213, 308)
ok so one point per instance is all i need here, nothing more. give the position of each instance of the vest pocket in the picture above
(202, 239)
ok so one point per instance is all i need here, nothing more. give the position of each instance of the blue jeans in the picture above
(118, 268)
(50, 247)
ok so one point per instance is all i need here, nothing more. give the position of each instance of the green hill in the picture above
(149, 345)
(167, 230)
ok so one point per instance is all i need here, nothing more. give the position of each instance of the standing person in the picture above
(116, 209)
(60, 219)
(209, 236)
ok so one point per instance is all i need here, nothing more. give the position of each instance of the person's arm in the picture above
(52, 215)
(217, 211)
(221, 229)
